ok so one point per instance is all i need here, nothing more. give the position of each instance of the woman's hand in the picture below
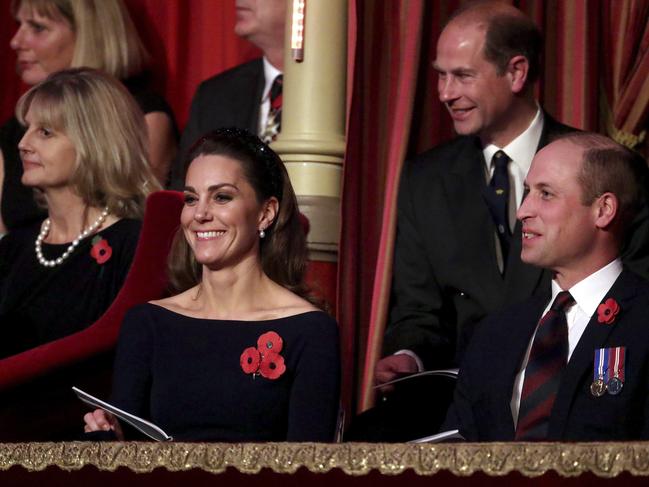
(100, 420)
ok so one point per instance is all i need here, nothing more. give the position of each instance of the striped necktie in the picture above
(547, 361)
(274, 120)
(496, 195)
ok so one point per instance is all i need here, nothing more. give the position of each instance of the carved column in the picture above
(312, 140)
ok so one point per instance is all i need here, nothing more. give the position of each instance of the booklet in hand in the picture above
(142, 425)
(450, 373)
(449, 435)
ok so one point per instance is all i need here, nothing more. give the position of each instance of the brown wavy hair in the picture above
(283, 250)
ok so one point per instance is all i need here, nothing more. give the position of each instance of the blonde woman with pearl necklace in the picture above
(84, 154)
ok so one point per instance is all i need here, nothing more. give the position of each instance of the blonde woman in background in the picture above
(58, 276)
(58, 34)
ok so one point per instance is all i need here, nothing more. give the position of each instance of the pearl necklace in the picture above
(46, 229)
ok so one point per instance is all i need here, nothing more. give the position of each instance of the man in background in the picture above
(249, 95)
(457, 254)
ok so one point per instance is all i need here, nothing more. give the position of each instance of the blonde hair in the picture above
(105, 36)
(107, 130)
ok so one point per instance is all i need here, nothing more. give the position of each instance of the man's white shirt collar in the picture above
(270, 73)
(589, 292)
(521, 150)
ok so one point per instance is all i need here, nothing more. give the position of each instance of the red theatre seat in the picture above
(35, 398)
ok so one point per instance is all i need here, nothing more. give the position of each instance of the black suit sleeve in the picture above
(229, 99)
(460, 413)
(635, 250)
(416, 316)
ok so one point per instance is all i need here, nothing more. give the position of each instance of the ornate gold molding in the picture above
(529, 459)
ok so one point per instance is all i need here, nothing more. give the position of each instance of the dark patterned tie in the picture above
(496, 195)
(274, 120)
(548, 358)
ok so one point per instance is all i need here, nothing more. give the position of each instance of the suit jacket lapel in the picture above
(552, 129)
(581, 362)
(521, 279)
(473, 224)
(253, 83)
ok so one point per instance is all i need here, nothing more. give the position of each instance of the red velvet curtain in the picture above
(385, 66)
(626, 84)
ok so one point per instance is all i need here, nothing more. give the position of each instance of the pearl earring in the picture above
(262, 234)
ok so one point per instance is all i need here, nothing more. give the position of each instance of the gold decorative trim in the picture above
(626, 139)
(496, 459)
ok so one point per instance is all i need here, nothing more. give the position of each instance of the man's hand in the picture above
(393, 367)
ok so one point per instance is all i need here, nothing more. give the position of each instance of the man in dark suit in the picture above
(452, 267)
(239, 97)
(579, 371)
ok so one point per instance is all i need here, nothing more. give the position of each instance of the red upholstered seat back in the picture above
(146, 280)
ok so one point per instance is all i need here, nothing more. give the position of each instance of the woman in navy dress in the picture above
(242, 354)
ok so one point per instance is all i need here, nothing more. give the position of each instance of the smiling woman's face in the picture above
(43, 45)
(222, 217)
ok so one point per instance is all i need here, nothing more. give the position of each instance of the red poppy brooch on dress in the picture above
(265, 359)
(607, 311)
(100, 250)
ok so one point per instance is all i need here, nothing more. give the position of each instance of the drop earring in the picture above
(262, 234)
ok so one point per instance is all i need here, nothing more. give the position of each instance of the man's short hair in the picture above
(508, 36)
(610, 167)
(508, 33)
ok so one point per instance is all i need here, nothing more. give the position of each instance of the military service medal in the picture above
(616, 358)
(608, 371)
(598, 387)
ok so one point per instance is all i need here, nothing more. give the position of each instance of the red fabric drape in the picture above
(403, 46)
(626, 84)
(10, 87)
(374, 153)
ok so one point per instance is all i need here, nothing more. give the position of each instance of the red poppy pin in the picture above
(250, 359)
(265, 359)
(100, 250)
(607, 311)
(270, 341)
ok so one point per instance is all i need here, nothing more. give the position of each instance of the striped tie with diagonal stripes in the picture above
(274, 120)
(548, 358)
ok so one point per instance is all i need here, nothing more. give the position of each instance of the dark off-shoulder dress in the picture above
(185, 375)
